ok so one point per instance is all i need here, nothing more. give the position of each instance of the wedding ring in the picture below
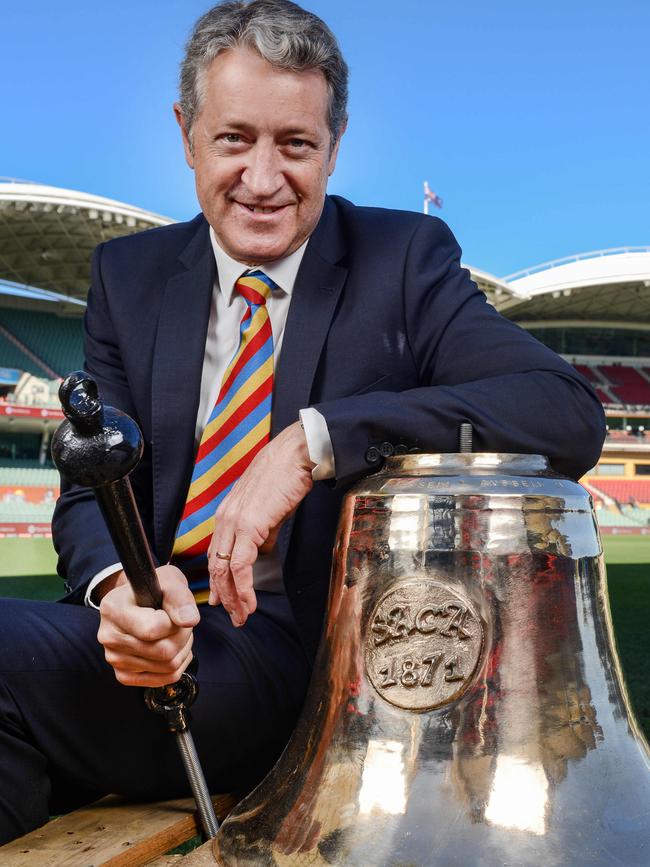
(222, 556)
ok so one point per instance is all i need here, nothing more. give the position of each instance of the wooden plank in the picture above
(200, 857)
(167, 861)
(109, 833)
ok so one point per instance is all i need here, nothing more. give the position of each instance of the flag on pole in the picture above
(430, 196)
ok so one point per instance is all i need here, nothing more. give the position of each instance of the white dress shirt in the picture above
(226, 311)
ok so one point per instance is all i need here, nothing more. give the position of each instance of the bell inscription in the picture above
(423, 645)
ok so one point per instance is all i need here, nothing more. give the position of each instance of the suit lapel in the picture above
(314, 299)
(315, 295)
(176, 381)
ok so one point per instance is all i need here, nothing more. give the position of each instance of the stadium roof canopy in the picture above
(47, 234)
(17, 295)
(606, 288)
(496, 289)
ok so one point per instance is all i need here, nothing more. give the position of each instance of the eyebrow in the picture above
(295, 130)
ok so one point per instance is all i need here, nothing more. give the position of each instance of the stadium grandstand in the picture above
(592, 308)
(47, 236)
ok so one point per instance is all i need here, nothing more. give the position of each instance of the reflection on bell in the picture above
(383, 787)
(467, 706)
(519, 795)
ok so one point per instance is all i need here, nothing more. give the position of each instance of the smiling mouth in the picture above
(259, 209)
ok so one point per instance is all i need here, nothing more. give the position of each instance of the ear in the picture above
(335, 150)
(187, 147)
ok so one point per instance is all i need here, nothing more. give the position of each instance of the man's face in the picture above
(262, 154)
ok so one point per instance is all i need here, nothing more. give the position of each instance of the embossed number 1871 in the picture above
(411, 673)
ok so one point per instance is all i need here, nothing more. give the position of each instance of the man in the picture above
(373, 340)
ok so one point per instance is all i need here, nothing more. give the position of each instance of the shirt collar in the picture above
(283, 272)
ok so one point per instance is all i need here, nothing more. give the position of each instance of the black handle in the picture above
(98, 446)
(123, 520)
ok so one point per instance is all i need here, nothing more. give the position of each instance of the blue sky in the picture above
(530, 119)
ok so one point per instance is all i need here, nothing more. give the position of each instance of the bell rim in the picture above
(416, 462)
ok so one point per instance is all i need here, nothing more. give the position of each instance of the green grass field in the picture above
(29, 567)
(628, 576)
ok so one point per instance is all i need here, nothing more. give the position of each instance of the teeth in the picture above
(260, 210)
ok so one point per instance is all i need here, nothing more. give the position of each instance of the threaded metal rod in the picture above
(466, 433)
(197, 783)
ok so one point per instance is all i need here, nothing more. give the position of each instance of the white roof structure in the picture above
(15, 294)
(47, 234)
(604, 288)
(496, 289)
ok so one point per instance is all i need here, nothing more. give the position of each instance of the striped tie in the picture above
(238, 427)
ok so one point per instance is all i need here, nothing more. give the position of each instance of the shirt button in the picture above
(386, 450)
(373, 455)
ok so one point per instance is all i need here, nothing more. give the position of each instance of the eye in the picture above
(298, 144)
(231, 142)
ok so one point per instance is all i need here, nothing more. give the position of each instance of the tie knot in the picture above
(255, 287)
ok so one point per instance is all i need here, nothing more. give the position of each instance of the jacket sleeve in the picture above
(79, 532)
(473, 365)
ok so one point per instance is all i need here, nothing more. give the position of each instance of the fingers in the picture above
(147, 647)
(220, 578)
(178, 599)
(231, 581)
(168, 667)
(271, 539)
(161, 655)
(222, 542)
(151, 678)
(231, 578)
(244, 555)
(140, 663)
(250, 515)
(121, 614)
(223, 538)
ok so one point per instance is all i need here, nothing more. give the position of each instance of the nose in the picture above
(262, 174)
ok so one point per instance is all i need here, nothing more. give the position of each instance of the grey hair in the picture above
(282, 33)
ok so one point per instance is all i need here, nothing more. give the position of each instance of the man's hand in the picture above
(144, 646)
(249, 518)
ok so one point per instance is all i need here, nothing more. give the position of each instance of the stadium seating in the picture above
(596, 496)
(55, 340)
(586, 371)
(24, 463)
(627, 383)
(603, 397)
(28, 476)
(12, 356)
(623, 490)
(23, 512)
(640, 515)
(610, 518)
(617, 383)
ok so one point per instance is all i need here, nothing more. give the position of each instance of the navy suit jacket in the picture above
(387, 336)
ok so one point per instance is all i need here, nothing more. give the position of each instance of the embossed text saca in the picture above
(423, 644)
